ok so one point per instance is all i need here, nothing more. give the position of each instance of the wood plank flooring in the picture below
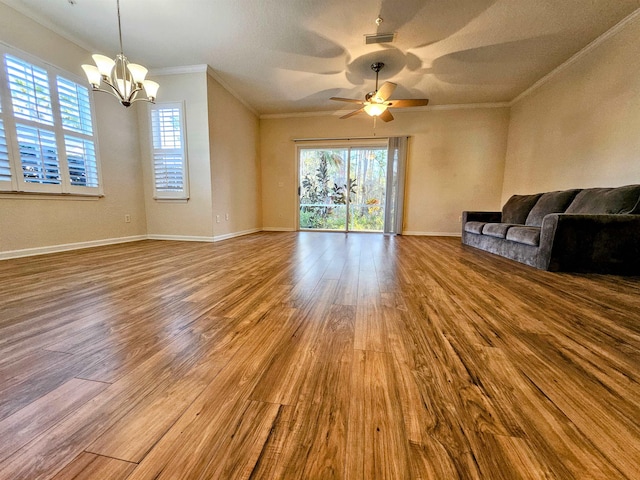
(314, 356)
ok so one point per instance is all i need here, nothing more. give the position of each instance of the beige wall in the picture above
(192, 218)
(235, 165)
(34, 222)
(580, 129)
(224, 168)
(455, 162)
(222, 148)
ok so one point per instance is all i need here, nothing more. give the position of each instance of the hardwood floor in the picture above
(314, 356)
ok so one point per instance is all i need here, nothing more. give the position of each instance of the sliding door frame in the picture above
(332, 144)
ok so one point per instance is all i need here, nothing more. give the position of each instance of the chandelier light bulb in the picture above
(93, 75)
(105, 64)
(138, 72)
(151, 89)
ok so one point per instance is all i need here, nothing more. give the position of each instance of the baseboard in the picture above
(29, 252)
(278, 229)
(192, 238)
(432, 234)
(181, 238)
(227, 236)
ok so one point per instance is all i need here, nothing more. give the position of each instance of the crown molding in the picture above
(613, 31)
(213, 74)
(203, 68)
(303, 114)
(178, 70)
(462, 106)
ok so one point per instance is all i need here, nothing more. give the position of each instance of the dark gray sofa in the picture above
(589, 230)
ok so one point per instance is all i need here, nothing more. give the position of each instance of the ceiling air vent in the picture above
(379, 38)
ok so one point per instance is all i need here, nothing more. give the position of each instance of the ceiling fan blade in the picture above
(385, 91)
(350, 100)
(418, 102)
(386, 116)
(351, 114)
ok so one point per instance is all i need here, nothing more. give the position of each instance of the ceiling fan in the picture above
(377, 103)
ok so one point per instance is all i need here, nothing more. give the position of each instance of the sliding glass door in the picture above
(368, 174)
(322, 189)
(343, 188)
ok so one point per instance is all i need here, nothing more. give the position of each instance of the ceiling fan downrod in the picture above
(376, 67)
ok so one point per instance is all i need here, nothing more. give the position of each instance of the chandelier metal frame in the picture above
(125, 80)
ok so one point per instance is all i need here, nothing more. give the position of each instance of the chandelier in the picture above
(126, 81)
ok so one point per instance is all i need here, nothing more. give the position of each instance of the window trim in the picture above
(175, 196)
(18, 184)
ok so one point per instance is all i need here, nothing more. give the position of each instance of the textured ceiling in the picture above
(284, 56)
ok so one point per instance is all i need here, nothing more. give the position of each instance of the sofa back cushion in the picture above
(551, 202)
(518, 207)
(621, 200)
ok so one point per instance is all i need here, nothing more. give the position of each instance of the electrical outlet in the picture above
(460, 219)
(127, 218)
(217, 218)
(226, 216)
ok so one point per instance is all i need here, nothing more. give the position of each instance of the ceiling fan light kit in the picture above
(375, 109)
(377, 103)
(126, 81)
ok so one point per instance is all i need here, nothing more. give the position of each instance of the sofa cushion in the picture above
(518, 207)
(551, 202)
(621, 200)
(526, 235)
(496, 229)
(474, 227)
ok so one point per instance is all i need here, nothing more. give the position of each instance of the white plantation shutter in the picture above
(75, 108)
(168, 151)
(38, 155)
(6, 178)
(81, 160)
(30, 94)
(75, 112)
(47, 139)
(169, 175)
(5, 165)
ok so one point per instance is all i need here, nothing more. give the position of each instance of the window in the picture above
(168, 147)
(47, 139)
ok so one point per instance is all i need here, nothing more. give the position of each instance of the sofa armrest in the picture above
(489, 217)
(593, 243)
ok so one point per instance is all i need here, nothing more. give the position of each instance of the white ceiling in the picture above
(285, 56)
